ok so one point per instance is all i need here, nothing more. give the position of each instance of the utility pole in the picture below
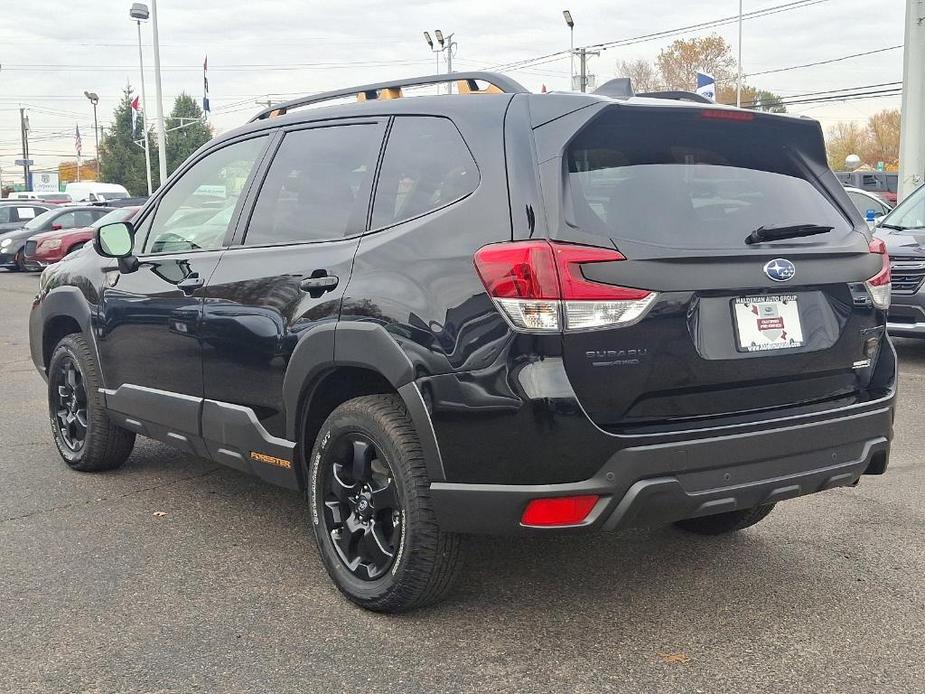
(739, 67)
(583, 54)
(912, 139)
(25, 147)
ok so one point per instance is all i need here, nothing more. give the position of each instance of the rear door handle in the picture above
(191, 283)
(318, 284)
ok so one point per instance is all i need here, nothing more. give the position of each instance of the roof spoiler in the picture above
(678, 95)
(617, 88)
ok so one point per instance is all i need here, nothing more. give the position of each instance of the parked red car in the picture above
(50, 246)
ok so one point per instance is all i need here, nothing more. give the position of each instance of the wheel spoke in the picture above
(343, 543)
(81, 416)
(363, 455)
(374, 558)
(376, 533)
(71, 376)
(385, 497)
(339, 488)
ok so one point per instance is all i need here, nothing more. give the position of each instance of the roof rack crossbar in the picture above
(502, 83)
(677, 95)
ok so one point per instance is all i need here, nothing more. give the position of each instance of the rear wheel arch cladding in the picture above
(365, 346)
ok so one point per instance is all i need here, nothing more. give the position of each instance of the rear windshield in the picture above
(112, 195)
(681, 180)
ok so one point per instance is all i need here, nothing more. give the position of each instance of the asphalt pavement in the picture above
(174, 574)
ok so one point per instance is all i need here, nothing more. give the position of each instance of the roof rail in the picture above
(468, 84)
(678, 95)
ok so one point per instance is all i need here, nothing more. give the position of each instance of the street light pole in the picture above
(447, 44)
(161, 133)
(739, 76)
(139, 12)
(571, 52)
(95, 99)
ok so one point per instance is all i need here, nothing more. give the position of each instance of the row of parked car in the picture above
(36, 234)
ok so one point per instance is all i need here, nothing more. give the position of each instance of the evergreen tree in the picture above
(183, 141)
(122, 161)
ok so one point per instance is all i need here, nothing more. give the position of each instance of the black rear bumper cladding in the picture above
(662, 483)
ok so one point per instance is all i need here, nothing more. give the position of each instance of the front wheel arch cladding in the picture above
(365, 345)
(66, 302)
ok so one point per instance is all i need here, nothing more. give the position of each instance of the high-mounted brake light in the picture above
(540, 287)
(558, 511)
(723, 114)
(879, 286)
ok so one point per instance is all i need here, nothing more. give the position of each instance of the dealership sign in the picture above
(45, 183)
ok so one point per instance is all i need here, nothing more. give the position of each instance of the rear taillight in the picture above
(539, 286)
(879, 286)
(558, 511)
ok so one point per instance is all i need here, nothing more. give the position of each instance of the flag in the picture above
(706, 86)
(205, 85)
(136, 110)
(77, 143)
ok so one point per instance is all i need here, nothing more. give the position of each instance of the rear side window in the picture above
(680, 180)
(427, 166)
(318, 186)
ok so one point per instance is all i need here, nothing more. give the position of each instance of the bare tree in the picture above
(641, 72)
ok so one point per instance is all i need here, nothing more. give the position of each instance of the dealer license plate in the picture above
(764, 323)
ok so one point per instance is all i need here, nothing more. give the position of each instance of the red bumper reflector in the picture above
(562, 510)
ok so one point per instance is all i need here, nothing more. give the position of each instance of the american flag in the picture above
(77, 143)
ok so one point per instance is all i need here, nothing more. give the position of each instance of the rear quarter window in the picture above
(427, 166)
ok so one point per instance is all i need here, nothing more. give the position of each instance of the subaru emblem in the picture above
(780, 270)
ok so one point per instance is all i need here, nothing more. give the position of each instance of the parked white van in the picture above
(91, 191)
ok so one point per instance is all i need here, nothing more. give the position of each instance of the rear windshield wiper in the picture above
(894, 227)
(793, 231)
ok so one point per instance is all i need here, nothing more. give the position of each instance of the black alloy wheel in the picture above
(362, 511)
(70, 405)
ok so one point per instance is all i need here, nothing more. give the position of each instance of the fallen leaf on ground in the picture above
(160, 513)
(674, 657)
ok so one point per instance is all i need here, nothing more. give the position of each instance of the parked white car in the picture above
(91, 191)
(869, 205)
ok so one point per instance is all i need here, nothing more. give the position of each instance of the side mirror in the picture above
(57, 227)
(117, 240)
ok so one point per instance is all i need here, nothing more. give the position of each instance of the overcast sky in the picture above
(52, 51)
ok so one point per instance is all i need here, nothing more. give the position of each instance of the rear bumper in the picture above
(663, 483)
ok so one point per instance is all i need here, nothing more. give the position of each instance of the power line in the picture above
(710, 24)
(790, 98)
(242, 67)
(823, 62)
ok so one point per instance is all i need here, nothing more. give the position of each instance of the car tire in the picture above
(86, 438)
(20, 262)
(722, 523)
(371, 510)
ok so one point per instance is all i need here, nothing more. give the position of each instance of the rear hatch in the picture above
(729, 331)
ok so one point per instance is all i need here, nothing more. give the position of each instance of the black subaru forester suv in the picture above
(497, 313)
